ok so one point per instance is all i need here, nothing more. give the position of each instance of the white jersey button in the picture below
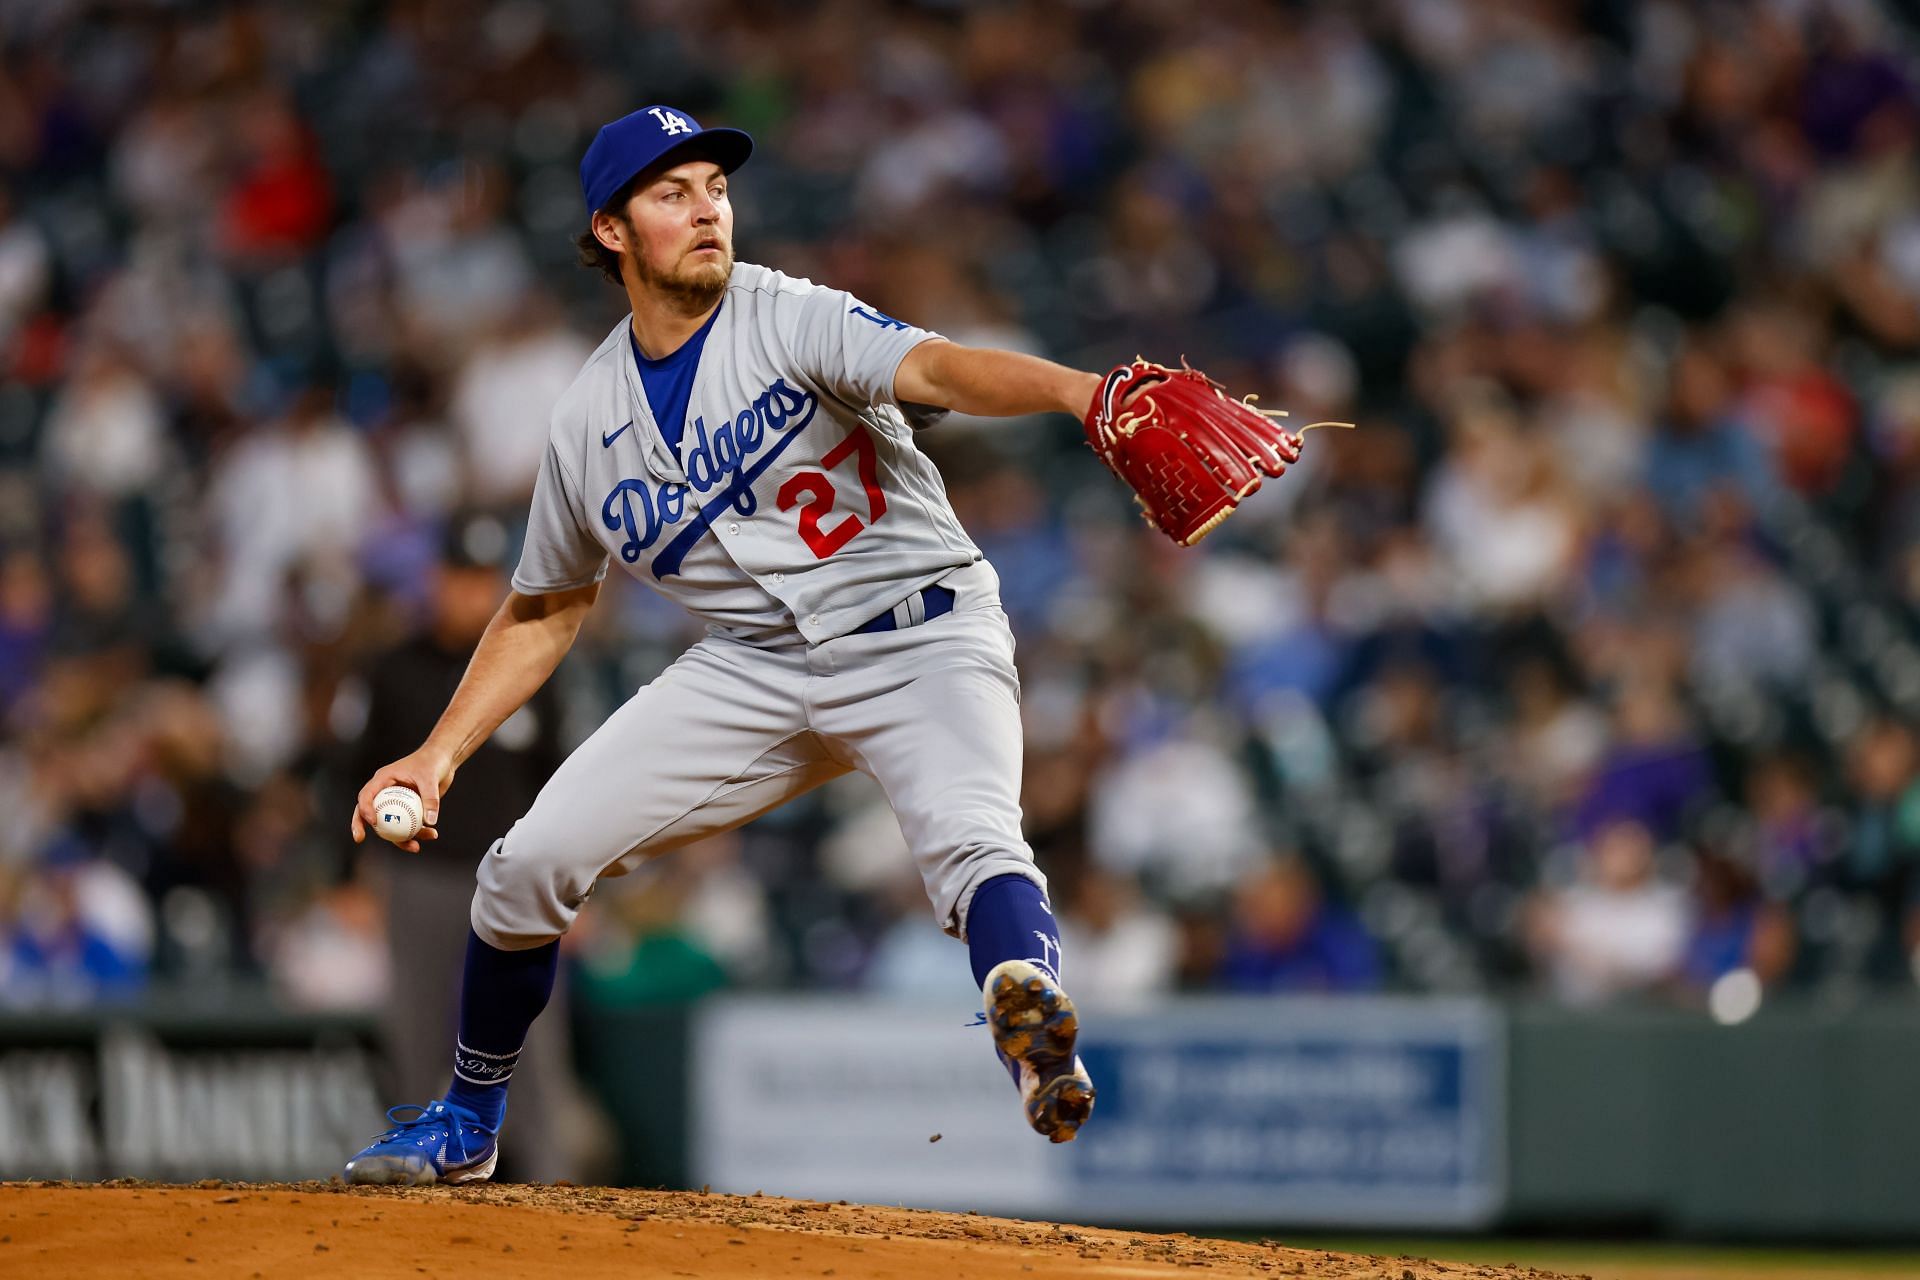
(779, 576)
(733, 526)
(813, 619)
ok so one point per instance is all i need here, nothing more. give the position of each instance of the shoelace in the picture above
(434, 1112)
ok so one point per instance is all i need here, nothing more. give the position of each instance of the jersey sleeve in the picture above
(560, 552)
(854, 350)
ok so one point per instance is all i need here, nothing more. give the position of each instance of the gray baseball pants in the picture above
(931, 712)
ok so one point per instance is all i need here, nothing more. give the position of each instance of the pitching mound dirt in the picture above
(73, 1231)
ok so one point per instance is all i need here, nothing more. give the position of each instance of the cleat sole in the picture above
(1060, 1108)
(1035, 1025)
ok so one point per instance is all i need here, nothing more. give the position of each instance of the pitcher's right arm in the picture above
(526, 640)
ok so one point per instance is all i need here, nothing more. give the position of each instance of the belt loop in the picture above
(903, 614)
(916, 608)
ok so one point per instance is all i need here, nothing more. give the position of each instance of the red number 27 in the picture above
(819, 492)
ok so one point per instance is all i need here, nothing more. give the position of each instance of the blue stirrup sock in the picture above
(501, 993)
(1010, 920)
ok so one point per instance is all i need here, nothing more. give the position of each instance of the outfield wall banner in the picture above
(257, 1099)
(1305, 1112)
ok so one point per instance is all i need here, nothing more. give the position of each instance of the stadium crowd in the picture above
(1587, 665)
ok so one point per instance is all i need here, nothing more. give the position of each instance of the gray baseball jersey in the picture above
(796, 509)
(797, 500)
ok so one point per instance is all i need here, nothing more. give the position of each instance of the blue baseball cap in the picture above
(639, 141)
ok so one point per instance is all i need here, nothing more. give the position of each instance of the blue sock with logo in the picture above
(1010, 920)
(501, 993)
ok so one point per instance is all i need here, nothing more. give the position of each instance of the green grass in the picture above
(1618, 1260)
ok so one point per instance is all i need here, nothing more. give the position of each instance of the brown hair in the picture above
(597, 256)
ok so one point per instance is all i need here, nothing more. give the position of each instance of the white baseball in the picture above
(398, 814)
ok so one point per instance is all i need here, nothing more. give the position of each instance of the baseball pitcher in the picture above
(743, 443)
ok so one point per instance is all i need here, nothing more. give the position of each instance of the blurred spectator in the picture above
(277, 205)
(1177, 813)
(1287, 632)
(726, 913)
(1884, 768)
(1733, 927)
(1202, 945)
(1793, 837)
(1882, 851)
(25, 268)
(1118, 947)
(461, 268)
(1556, 738)
(26, 623)
(638, 951)
(74, 930)
(100, 616)
(1011, 518)
(1287, 937)
(504, 394)
(1618, 929)
(334, 954)
(1654, 773)
(1700, 449)
(1753, 625)
(1592, 419)
(106, 433)
(1498, 509)
(913, 960)
(1802, 411)
(298, 493)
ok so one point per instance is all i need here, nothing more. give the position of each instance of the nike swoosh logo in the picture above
(606, 441)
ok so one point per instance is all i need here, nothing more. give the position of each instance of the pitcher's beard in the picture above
(691, 288)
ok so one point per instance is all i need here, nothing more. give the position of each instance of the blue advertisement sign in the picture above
(1245, 1111)
(1363, 1112)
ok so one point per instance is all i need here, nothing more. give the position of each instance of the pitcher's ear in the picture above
(609, 231)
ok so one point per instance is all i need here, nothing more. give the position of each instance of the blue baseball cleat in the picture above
(437, 1145)
(1034, 1026)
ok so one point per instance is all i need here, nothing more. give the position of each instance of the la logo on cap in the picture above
(669, 121)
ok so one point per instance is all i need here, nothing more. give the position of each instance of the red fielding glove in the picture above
(1189, 452)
